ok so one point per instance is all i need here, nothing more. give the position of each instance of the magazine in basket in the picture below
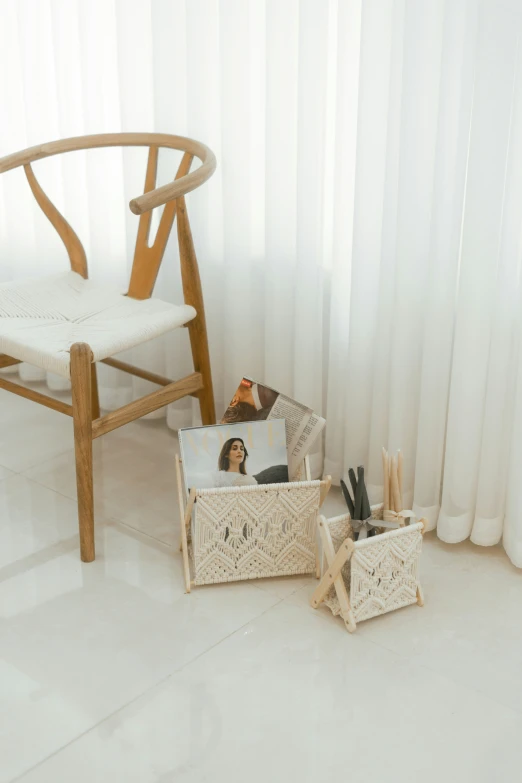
(256, 402)
(234, 455)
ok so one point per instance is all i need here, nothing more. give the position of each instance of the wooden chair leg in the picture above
(95, 399)
(81, 374)
(193, 295)
(200, 355)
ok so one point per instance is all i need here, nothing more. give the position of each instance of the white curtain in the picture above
(360, 241)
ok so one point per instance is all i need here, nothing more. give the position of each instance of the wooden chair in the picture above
(65, 324)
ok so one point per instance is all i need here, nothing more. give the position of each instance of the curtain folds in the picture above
(360, 242)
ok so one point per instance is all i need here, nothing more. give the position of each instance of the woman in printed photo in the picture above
(231, 470)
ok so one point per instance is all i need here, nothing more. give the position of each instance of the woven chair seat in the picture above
(41, 318)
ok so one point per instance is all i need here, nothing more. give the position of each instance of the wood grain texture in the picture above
(340, 589)
(81, 359)
(343, 554)
(149, 200)
(308, 477)
(42, 399)
(151, 402)
(181, 505)
(386, 479)
(326, 483)
(141, 279)
(66, 233)
(395, 486)
(95, 399)
(400, 471)
(147, 258)
(183, 515)
(184, 528)
(193, 295)
(138, 372)
(8, 361)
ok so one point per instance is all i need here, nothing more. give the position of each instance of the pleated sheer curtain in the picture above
(360, 242)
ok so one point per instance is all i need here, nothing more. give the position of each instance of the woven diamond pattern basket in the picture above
(369, 577)
(234, 533)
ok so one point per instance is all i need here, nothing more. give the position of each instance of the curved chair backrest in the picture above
(147, 260)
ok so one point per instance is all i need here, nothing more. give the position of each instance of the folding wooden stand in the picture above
(369, 577)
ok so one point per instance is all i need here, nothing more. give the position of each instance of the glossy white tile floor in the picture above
(109, 673)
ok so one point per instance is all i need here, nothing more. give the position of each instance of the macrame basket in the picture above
(235, 533)
(366, 578)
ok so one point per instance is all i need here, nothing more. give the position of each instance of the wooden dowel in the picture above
(395, 486)
(399, 476)
(184, 540)
(386, 479)
(151, 402)
(138, 372)
(180, 495)
(43, 399)
(182, 523)
(390, 483)
(390, 491)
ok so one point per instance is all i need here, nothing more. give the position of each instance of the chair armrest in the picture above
(176, 189)
(147, 201)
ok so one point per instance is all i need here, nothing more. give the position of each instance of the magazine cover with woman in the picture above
(234, 455)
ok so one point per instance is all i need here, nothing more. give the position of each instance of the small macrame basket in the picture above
(234, 533)
(372, 576)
